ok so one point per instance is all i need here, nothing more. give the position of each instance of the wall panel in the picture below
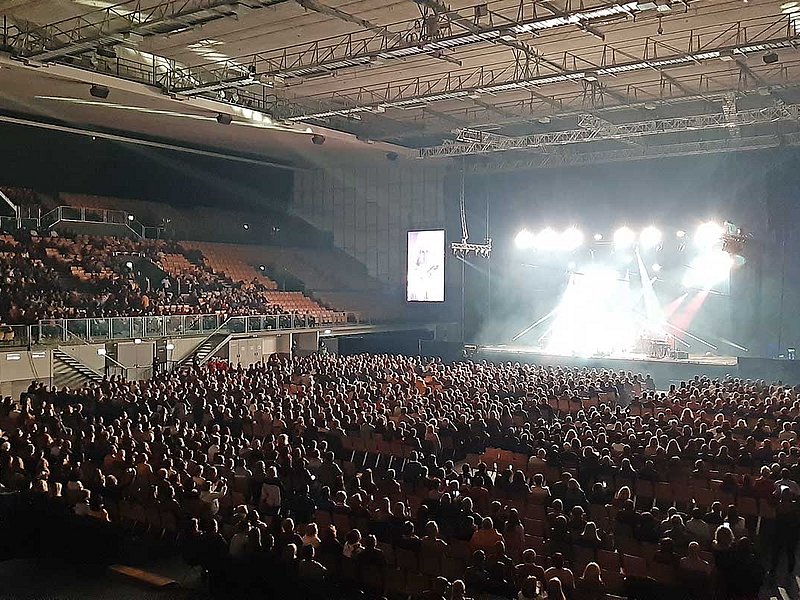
(368, 209)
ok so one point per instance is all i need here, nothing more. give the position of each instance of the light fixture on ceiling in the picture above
(650, 105)
(224, 119)
(770, 58)
(317, 139)
(99, 91)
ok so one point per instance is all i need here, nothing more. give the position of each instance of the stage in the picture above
(665, 371)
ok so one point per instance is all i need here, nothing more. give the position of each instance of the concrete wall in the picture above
(18, 369)
(369, 209)
(87, 354)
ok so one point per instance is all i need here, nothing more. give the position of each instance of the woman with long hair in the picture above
(589, 585)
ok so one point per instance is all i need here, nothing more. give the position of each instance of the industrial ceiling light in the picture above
(224, 119)
(99, 91)
(317, 139)
(770, 58)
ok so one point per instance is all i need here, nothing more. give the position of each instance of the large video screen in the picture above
(425, 275)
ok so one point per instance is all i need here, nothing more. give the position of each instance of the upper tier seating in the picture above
(86, 276)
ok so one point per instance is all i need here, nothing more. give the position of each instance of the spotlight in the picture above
(317, 139)
(548, 239)
(137, 341)
(245, 226)
(650, 237)
(708, 234)
(327, 332)
(130, 217)
(598, 237)
(656, 268)
(129, 264)
(99, 91)
(572, 238)
(770, 58)
(170, 346)
(262, 268)
(680, 234)
(624, 237)
(525, 239)
(708, 270)
(224, 119)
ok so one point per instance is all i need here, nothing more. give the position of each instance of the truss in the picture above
(125, 22)
(592, 129)
(776, 34)
(442, 32)
(565, 158)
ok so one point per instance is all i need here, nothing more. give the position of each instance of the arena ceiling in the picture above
(522, 82)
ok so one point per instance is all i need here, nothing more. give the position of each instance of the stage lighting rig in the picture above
(734, 240)
(463, 248)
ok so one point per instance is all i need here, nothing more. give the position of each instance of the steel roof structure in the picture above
(511, 79)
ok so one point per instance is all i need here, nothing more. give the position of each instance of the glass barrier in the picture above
(99, 329)
(120, 328)
(126, 328)
(71, 213)
(14, 335)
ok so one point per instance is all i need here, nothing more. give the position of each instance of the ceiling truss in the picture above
(592, 129)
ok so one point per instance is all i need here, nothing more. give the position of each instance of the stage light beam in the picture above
(656, 268)
(709, 269)
(572, 238)
(624, 237)
(524, 239)
(650, 237)
(548, 239)
(708, 234)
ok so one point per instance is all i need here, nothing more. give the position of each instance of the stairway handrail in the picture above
(85, 343)
(76, 359)
(179, 363)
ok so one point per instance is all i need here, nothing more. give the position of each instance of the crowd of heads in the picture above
(269, 465)
(54, 277)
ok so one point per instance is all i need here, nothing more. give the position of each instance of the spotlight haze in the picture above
(572, 238)
(650, 237)
(624, 237)
(708, 234)
(524, 239)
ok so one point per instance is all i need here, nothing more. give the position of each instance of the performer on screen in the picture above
(420, 277)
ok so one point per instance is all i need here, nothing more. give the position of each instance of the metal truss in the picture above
(434, 33)
(126, 22)
(567, 158)
(592, 129)
(777, 34)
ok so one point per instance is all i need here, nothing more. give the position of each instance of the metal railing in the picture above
(82, 214)
(155, 327)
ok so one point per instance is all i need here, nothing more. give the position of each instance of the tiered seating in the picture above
(296, 302)
(232, 260)
(176, 264)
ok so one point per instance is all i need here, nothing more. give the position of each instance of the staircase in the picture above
(70, 372)
(205, 350)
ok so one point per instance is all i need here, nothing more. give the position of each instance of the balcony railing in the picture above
(153, 327)
(107, 329)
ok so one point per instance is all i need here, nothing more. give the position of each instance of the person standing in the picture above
(787, 529)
